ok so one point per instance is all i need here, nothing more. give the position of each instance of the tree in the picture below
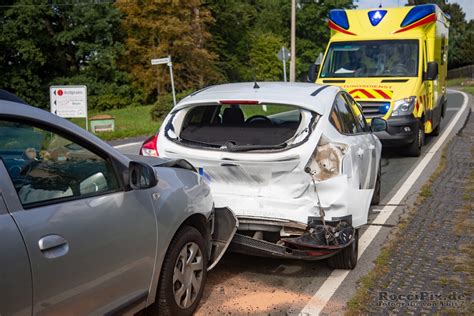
(91, 40)
(160, 28)
(66, 43)
(312, 32)
(263, 61)
(26, 44)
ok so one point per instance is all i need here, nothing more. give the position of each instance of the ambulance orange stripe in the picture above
(383, 94)
(367, 93)
(334, 26)
(430, 18)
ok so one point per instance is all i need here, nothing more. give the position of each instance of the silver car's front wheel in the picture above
(183, 274)
(187, 276)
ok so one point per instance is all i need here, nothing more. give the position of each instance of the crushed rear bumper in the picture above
(261, 248)
(307, 246)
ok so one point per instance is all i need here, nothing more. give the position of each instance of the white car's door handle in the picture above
(371, 147)
(360, 152)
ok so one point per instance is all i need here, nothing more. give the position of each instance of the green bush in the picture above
(164, 104)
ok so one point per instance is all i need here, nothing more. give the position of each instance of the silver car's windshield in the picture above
(382, 58)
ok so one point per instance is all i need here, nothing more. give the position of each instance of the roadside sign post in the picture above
(69, 102)
(167, 61)
(284, 55)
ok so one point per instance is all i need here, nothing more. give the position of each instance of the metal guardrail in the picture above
(462, 72)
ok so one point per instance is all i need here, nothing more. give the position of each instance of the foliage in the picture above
(107, 45)
(63, 44)
(161, 28)
(164, 104)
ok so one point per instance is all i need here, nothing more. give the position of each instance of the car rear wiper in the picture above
(231, 146)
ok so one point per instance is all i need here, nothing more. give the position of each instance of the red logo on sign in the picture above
(60, 92)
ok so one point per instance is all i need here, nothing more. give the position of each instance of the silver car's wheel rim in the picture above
(187, 276)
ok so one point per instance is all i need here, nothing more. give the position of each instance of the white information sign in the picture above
(159, 61)
(68, 101)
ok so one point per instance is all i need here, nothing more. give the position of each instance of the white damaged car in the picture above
(295, 162)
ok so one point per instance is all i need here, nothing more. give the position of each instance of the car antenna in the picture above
(255, 85)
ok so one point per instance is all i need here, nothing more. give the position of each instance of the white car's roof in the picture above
(310, 96)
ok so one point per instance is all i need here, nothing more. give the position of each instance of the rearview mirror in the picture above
(378, 125)
(314, 68)
(431, 71)
(313, 72)
(141, 176)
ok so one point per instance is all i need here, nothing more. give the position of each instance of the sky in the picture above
(466, 5)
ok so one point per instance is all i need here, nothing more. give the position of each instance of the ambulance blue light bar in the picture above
(339, 17)
(376, 16)
(417, 13)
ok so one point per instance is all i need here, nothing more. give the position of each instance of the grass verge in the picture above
(357, 305)
(129, 122)
(465, 84)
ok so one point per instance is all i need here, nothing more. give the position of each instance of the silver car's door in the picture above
(91, 243)
(15, 278)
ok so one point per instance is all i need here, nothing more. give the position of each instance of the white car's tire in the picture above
(346, 258)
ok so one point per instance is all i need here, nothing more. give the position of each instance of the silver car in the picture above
(85, 229)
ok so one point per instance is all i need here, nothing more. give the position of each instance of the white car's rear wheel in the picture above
(347, 257)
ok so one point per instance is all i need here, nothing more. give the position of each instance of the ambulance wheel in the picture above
(346, 258)
(436, 131)
(414, 149)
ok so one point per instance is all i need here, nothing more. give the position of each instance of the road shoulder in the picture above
(427, 266)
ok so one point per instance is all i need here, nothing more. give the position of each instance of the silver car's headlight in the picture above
(404, 106)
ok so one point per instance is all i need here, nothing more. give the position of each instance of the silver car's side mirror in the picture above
(141, 176)
(378, 125)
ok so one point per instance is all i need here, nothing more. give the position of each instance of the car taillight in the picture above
(149, 147)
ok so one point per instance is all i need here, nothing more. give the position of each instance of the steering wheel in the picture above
(30, 165)
(400, 68)
(258, 119)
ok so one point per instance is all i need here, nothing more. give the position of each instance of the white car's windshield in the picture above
(387, 58)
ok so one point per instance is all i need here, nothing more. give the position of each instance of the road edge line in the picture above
(127, 145)
(322, 296)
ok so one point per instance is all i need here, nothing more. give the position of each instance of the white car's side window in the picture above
(45, 166)
(347, 119)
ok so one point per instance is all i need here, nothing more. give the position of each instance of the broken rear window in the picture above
(243, 127)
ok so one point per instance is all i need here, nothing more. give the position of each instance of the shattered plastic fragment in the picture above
(326, 159)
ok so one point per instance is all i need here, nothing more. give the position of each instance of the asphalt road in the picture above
(248, 285)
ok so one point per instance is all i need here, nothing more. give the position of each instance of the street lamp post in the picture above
(293, 35)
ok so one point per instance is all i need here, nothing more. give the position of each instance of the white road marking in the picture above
(128, 145)
(317, 303)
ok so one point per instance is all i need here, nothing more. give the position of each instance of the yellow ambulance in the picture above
(393, 62)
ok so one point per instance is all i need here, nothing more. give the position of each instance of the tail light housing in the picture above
(149, 147)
